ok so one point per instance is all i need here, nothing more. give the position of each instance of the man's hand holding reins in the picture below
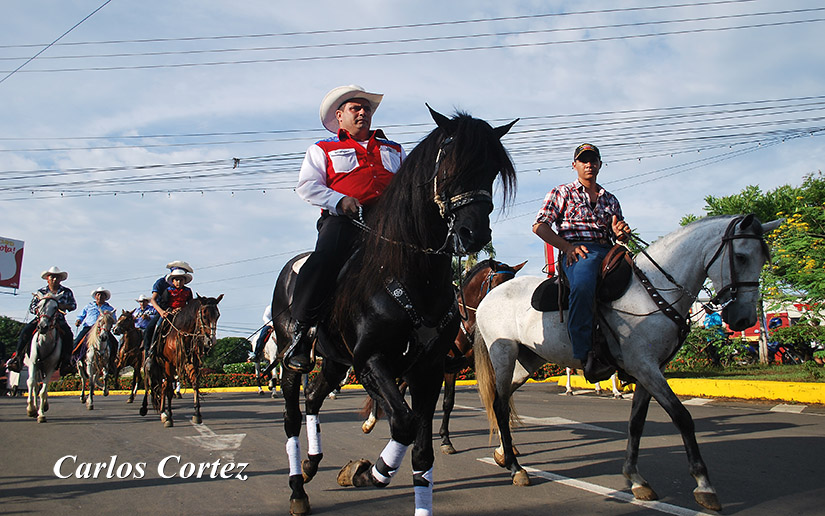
(620, 229)
(349, 206)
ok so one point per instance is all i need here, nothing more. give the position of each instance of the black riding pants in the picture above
(337, 240)
(26, 333)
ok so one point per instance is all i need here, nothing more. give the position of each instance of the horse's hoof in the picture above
(90, 407)
(447, 449)
(521, 479)
(308, 470)
(41, 419)
(196, 419)
(31, 413)
(261, 393)
(168, 423)
(143, 411)
(299, 506)
(568, 393)
(708, 500)
(163, 417)
(105, 393)
(367, 426)
(644, 493)
(353, 472)
(499, 458)
(178, 395)
(130, 401)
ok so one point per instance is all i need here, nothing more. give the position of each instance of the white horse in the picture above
(96, 363)
(513, 339)
(270, 354)
(44, 355)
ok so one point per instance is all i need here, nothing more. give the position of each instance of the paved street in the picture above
(763, 459)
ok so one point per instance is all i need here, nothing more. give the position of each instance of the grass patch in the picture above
(807, 372)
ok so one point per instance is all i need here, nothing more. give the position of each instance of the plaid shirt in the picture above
(65, 300)
(568, 205)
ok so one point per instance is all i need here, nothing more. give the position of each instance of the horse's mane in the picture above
(185, 319)
(93, 337)
(406, 213)
(475, 269)
(669, 239)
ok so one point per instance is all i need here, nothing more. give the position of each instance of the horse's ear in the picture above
(747, 221)
(519, 266)
(219, 299)
(504, 129)
(440, 120)
(770, 226)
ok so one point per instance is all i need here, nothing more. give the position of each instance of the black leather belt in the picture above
(602, 241)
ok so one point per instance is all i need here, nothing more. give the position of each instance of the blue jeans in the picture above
(582, 276)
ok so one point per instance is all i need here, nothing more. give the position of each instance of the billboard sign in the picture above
(11, 262)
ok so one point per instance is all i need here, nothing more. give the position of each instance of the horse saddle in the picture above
(615, 275)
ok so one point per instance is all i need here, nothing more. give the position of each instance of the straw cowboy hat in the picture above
(333, 100)
(178, 273)
(178, 264)
(142, 298)
(106, 293)
(61, 275)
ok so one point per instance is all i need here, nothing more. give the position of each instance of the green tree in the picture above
(9, 330)
(459, 268)
(798, 266)
(228, 350)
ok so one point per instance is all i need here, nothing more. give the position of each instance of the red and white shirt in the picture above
(341, 166)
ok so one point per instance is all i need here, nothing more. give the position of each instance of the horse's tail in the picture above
(485, 379)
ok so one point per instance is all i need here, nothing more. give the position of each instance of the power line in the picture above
(425, 51)
(53, 42)
(398, 26)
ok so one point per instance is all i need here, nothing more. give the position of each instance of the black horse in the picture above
(394, 313)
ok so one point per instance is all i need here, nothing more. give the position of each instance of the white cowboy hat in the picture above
(178, 273)
(57, 272)
(106, 293)
(142, 298)
(333, 100)
(178, 264)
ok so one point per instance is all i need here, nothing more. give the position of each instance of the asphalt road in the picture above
(762, 459)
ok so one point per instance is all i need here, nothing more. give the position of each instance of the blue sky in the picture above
(118, 141)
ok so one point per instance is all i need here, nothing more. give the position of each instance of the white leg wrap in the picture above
(293, 451)
(389, 461)
(423, 493)
(313, 435)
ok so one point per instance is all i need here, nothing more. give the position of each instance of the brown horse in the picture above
(477, 282)
(130, 353)
(181, 343)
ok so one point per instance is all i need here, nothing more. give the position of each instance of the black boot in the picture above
(297, 355)
(596, 368)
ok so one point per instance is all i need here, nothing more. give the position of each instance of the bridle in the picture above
(51, 319)
(726, 245)
(446, 208)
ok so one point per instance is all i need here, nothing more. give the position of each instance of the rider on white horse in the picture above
(65, 302)
(89, 315)
(589, 219)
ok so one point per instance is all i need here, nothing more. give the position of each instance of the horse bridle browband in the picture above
(727, 244)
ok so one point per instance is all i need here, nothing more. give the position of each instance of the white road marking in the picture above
(697, 401)
(792, 409)
(211, 441)
(554, 421)
(607, 492)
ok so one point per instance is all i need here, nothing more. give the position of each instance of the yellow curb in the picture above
(792, 392)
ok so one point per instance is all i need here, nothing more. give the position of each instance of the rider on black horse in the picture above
(343, 175)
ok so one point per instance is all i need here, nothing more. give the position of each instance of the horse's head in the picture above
(469, 158)
(104, 323)
(485, 276)
(735, 267)
(208, 315)
(47, 309)
(124, 322)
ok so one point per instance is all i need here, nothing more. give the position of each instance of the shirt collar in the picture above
(343, 134)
